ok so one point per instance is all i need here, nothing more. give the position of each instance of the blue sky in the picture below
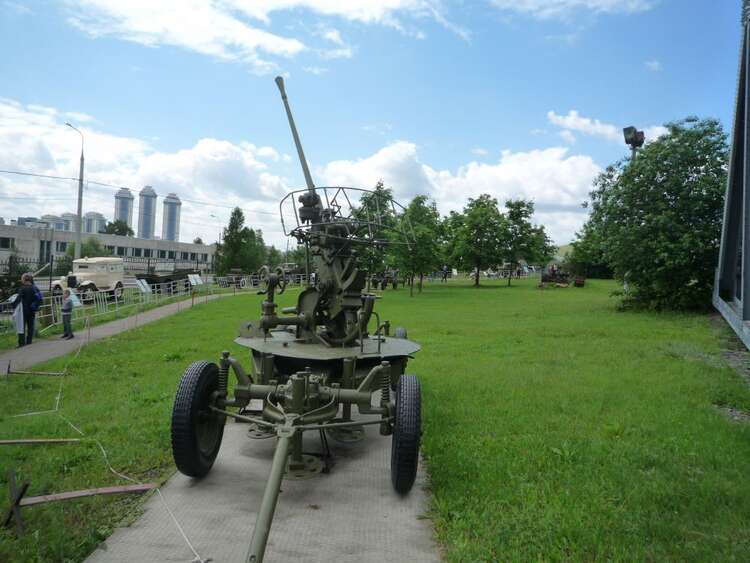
(519, 98)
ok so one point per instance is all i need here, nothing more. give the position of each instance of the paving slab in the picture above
(351, 514)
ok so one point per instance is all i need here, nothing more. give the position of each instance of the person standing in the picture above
(67, 315)
(31, 300)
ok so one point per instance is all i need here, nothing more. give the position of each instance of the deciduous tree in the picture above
(119, 227)
(478, 235)
(659, 217)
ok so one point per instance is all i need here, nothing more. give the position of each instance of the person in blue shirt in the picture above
(30, 299)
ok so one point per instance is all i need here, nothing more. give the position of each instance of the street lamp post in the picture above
(79, 218)
(635, 139)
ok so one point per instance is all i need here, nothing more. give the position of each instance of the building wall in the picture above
(35, 244)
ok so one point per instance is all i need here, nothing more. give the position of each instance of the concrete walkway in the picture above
(351, 514)
(43, 349)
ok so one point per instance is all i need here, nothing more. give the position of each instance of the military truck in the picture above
(89, 275)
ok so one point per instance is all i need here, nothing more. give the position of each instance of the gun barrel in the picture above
(268, 505)
(298, 144)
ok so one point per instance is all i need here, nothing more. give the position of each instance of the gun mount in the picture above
(313, 362)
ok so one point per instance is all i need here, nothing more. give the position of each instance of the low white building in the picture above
(37, 244)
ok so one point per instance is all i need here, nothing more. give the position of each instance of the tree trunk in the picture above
(421, 277)
(476, 277)
(411, 286)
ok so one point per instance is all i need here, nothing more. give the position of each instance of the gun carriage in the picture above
(311, 363)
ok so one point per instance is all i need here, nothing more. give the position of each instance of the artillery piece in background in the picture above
(311, 363)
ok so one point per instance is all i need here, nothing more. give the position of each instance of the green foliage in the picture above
(242, 248)
(478, 235)
(376, 209)
(660, 217)
(421, 221)
(273, 257)
(119, 227)
(298, 256)
(522, 240)
(586, 256)
(90, 247)
(198, 240)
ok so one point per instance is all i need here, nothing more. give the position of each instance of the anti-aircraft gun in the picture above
(312, 362)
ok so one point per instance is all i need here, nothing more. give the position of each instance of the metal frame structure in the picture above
(732, 283)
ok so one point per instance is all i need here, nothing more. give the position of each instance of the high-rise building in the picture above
(124, 206)
(146, 212)
(94, 222)
(170, 226)
(69, 221)
(54, 222)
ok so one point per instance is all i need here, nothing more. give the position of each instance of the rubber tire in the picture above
(198, 383)
(400, 332)
(117, 291)
(407, 434)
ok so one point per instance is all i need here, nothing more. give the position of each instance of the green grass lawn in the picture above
(8, 338)
(555, 427)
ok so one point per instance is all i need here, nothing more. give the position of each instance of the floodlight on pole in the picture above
(634, 138)
(79, 214)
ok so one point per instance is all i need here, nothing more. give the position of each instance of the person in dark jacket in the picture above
(31, 300)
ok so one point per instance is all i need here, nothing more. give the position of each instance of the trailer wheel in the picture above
(407, 434)
(117, 291)
(196, 431)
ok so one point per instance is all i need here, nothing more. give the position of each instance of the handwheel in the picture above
(407, 434)
(196, 430)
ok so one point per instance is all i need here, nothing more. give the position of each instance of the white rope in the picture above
(62, 379)
(198, 558)
(58, 400)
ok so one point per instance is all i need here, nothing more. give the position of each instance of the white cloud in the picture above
(653, 65)
(556, 181)
(198, 25)
(316, 70)
(574, 121)
(654, 132)
(384, 12)
(378, 128)
(567, 136)
(545, 9)
(334, 36)
(34, 138)
(479, 151)
(225, 174)
(18, 7)
(79, 117)
(338, 53)
(226, 31)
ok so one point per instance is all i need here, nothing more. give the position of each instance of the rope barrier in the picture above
(58, 401)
